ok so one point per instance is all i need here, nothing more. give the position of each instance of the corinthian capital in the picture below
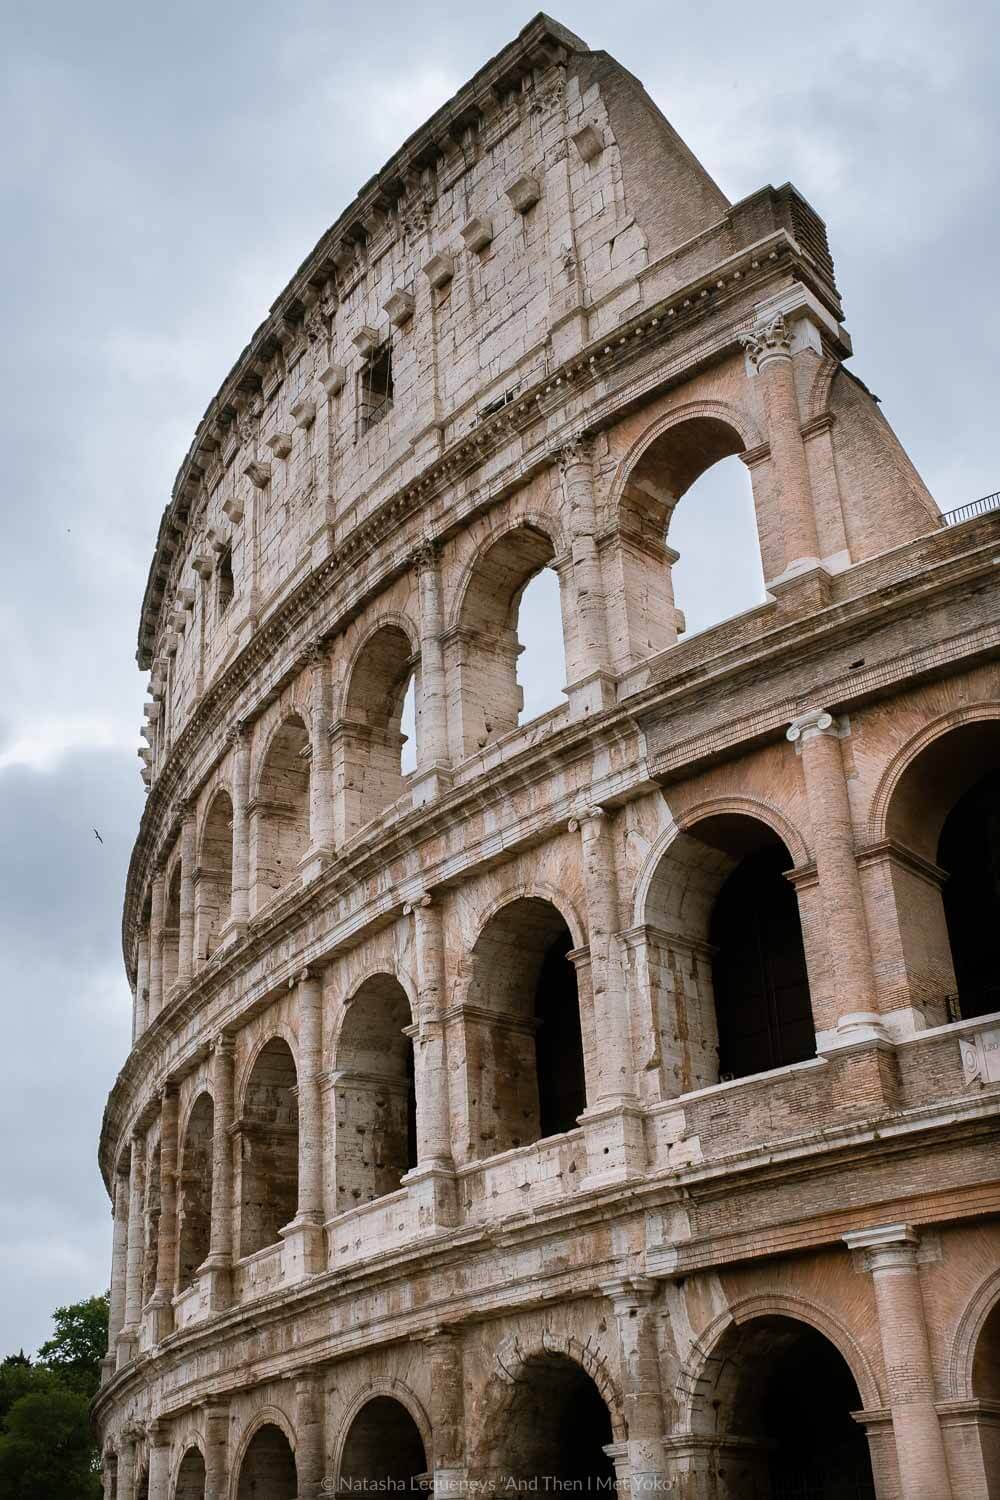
(578, 450)
(426, 553)
(770, 340)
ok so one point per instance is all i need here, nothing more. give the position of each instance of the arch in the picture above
(151, 1219)
(524, 1032)
(724, 957)
(554, 1411)
(382, 1444)
(775, 1384)
(818, 400)
(486, 698)
(266, 1467)
(399, 1391)
(194, 1197)
(375, 1092)
(981, 1308)
(740, 421)
(276, 1031)
(189, 1483)
(279, 810)
(170, 944)
(534, 520)
(937, 810)
(269, 1147)
(214, 875)
(369, 744)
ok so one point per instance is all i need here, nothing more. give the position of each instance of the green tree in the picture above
(47, 1448)
(80, 1342)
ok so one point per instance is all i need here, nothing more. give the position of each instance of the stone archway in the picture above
(267, 1471)
(191, 1476)
(383, 1450)
(551, 1427)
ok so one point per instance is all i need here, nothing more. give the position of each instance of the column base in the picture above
(126, 1345)
(234, 931)
(303, 1250)
(865, 1071)
(158, 1318)
(434, 1190)
(108, 1367)
(215, 1275)
(451, 1484)
(315, 861)
(430, 783)
(592, 694)
(802, 588)
(616, 1144)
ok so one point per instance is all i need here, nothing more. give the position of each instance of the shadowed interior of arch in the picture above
(269, 1148)
(526, 1046)
(690, 495)
(371, 746)
(726, 960)
(945, 809)
(280, 819)
(195, 1191)
(268, 1468)
(214, 891)
(191, 1477)
(555, 1429)
(171, 927)
(786, 1395)
(383, 1450)
(376, 1107)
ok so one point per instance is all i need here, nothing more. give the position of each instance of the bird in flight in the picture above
(97, 836)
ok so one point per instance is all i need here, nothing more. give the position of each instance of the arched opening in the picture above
(151, 1224)
(170, 945)
(268, 1468)
(214, 878)
(945, 810)
(376, 1105)
(556, 1428)
(279, 826)
(383, 1451)
(986, 1388)
(269, 1148)
(541, 673)
(194, 1199)
(725, 957)
(524, 1038)
(368, 748)
(408, 728)
(688, 566)
(191, 1477)
(781, 1405)
(486, 695)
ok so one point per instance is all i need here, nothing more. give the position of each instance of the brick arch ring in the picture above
(974, 713)
(374, 970)
(530, 520)
(533, 890)
(277, 1030)
(733, 416)
(397, 1390)
(970, 1325)
(387, 620)
(694, 1385)
(750, 807)
(511, 1361)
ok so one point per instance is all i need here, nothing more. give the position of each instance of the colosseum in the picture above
(602, 1099)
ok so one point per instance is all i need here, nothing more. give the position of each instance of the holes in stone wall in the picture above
(269, 1148)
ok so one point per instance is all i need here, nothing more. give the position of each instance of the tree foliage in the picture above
(47, 1449)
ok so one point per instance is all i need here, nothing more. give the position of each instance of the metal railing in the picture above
(975, 508)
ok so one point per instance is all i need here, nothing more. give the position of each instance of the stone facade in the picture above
(613, 1097)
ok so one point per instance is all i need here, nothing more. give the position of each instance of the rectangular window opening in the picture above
(375, 395)
(224, 585)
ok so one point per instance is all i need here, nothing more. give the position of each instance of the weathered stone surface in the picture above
(444, 1130)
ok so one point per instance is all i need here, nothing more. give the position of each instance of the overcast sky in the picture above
(165, 168)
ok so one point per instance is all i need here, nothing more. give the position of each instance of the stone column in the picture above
(304, 1244)
(216, 1450)
(433, 1178)
(858, 1028)
(633, 1299)
(141, 1012)
(447, 1412)
(134, 1249)
(432, 775)
(219, 1263)
(161, 1302)
(321, 841)
(185, 937)
(310, 1452)
(891, 1257)
(109, 1474)
(126, 1467)
(239, 740)
(157, 904)
(119, 1261)
(159, 1460)
(613, 1120)
(769, 351)
(590, 681)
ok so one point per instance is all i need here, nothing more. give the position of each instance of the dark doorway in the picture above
(383, 1451)
(556, 1430)
(562, 1095)
(820, 1452)
(969, 851)
(759, 970)
(268, 1470)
